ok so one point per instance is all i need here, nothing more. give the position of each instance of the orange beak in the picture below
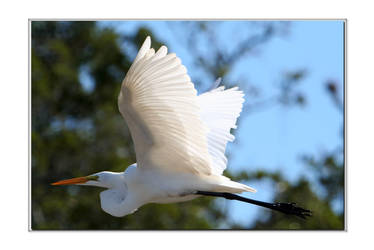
(78, 180)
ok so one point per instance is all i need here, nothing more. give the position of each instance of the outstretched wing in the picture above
(220, 109)
(159, 104)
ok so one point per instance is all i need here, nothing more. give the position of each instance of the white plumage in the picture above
(179, 137)
(159, 104)
(219, 110)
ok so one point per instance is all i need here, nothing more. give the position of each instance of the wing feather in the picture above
(159, 103)
(219, 111)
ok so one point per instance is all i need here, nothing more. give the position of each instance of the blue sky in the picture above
(275, 138)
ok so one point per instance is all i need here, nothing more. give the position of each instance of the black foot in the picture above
(291, 208)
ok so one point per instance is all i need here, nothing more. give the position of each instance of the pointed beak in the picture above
(78, 180)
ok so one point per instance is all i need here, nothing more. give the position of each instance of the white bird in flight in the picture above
(179, 137)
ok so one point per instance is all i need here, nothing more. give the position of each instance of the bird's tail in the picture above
(228, 186)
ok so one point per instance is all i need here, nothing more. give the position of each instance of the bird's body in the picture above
(179, 137)
(129, 190)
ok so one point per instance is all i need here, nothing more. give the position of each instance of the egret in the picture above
(179, 138)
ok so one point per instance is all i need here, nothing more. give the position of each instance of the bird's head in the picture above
(112, 199)
(102, 179)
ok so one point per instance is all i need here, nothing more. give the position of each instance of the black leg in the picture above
(286, 208)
